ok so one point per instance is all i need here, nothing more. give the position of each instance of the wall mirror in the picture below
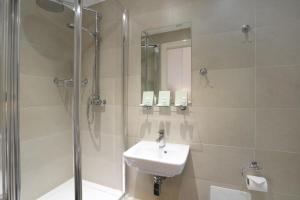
(166, 60)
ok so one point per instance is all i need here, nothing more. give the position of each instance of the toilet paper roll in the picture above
(257, 183)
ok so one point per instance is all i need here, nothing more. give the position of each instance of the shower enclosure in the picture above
(62, 99)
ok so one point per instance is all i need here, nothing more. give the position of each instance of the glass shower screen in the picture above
(52, 58)
(46, 54)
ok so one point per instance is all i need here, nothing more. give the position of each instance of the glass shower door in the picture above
(102, 123)
(46, 63)
(40, 101)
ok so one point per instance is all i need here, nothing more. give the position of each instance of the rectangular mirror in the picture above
(166, 60)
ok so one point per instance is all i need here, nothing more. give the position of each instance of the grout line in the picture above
(255, 86)
(279, 151)
(42, 106)
(193, 107)
(44, 137)
(40, 76)
(277, 66)
(226, 146)
(227, 68)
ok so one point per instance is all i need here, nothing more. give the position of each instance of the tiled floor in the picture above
(91, 191)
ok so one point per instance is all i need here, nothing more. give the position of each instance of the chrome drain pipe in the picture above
(157, 182)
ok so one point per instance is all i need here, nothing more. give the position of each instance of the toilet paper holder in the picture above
(253, 166)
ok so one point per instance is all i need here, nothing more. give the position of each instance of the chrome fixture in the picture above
(182, 108)
(157, 182)
(94, 98)
(76, 99)
(203, 71)
(246, 28)
(10, 98)
(253, 166)
(68, 82)
(161, 139)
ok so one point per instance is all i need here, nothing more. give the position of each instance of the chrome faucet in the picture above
(161, 139)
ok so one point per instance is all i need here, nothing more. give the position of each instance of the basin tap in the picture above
(161, 139)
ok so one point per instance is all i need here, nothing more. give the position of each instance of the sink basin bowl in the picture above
(148, 158)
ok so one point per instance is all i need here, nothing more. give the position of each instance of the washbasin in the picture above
(148, 158)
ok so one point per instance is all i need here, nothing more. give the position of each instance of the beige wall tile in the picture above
(37, 122)
(37, 64)
(282, 171)
(134, 90)
(278, 87)
(179, 127)
(140, 185)
(111, 63)
(131, 141)
(229, 127)
(38, 91)
(278, 45)
(97, 145)
(134, 117)
(210, 17)
(107, 119)
(273, 196)
(38, 153)
(223, 50)
(224, 88)
(46, 36)
(134, 67)
(278, 129)
(101, 172)
(219, 164)
(276, 12)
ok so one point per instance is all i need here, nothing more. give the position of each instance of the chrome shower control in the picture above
(245, 28)
(96, 100)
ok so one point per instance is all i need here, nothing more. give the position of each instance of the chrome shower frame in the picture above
(76, 98)
(10, 66)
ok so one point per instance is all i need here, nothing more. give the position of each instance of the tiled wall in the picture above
(247, 109)
(103, 141)
(46, 140)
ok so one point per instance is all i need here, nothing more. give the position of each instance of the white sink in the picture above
(148, 158)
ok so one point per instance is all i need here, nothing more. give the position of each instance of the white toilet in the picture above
(219, 193)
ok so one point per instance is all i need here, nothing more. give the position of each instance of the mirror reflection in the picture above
(166, 60)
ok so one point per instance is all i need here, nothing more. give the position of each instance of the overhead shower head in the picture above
(51, 5)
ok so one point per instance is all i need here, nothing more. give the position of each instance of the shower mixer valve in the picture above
(96, 100)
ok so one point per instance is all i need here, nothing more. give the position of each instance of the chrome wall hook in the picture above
(203, 71)
(246, 28)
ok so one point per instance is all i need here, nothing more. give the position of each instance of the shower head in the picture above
(51, 5)
(70, 25)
